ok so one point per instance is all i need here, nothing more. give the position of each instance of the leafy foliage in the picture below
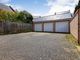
(77, 7)
(25, 17)
(7, 16)
(22, 16)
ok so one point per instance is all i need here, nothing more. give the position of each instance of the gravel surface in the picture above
(37, 46)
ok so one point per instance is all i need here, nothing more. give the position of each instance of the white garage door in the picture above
(48, 27)
(62, 27)
(38, 27)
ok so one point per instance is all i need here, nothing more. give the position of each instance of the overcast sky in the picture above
(42, 7)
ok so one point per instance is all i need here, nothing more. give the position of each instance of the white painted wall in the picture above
(62, 27)
(48, 27)
(38, 27)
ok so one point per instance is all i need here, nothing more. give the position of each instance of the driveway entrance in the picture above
(36, 46)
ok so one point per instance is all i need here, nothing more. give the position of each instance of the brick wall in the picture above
(75, 26)
(79, 26)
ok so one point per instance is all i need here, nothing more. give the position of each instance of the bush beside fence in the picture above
(14, 27)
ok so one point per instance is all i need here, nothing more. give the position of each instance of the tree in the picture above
(2, 15)
(25, 17)
(77, 7)
(7, 16)
(22, 16)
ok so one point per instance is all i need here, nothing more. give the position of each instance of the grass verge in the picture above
(74, 41)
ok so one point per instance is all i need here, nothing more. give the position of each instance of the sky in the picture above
(42, 7)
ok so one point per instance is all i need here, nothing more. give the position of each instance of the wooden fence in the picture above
(14, 27)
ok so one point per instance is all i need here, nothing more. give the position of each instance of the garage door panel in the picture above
(48, 27)
(62, 27)
(38, 27)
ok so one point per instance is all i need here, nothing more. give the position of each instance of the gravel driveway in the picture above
(36, 46)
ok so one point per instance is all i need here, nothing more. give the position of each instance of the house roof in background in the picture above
(57, 16)
(7, 8)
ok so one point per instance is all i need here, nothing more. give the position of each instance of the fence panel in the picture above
(14, 27)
